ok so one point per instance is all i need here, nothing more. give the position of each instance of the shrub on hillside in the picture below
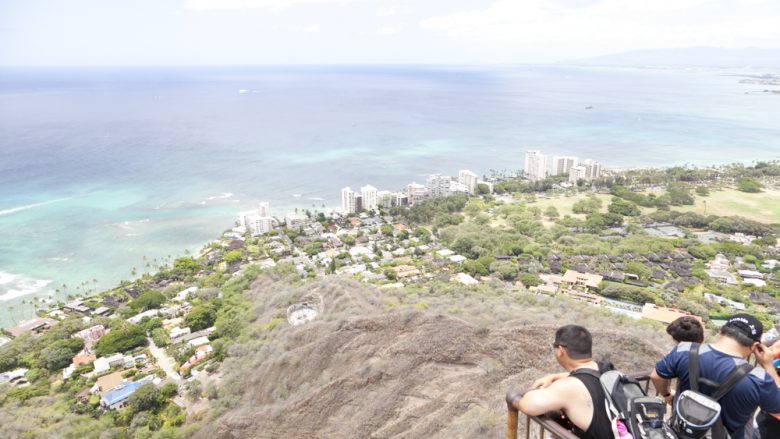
(201, 316)
(120, 340)
(629, 293)
(59, 354)
(148, 300)
(749, 185)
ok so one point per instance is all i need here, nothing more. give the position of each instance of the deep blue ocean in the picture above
(107, 170)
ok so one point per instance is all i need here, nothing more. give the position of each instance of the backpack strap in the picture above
(732, 380)
(586, 371)
(718, 430)
(693, 367)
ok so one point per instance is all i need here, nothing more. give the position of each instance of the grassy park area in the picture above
(763, 206)
(564, 203)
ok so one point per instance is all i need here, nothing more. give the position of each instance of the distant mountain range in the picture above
(689, 57)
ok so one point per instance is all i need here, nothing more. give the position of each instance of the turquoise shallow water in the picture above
(102, 171)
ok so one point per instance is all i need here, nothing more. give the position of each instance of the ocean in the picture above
(107, 173)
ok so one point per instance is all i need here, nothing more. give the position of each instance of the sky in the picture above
(247, 32)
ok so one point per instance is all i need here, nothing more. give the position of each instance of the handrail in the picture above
(545, 422)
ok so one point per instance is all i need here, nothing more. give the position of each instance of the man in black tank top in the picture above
(576, 393)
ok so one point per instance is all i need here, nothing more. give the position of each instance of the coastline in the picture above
(35, 288)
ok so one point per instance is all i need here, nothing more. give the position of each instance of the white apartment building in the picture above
(348, 204)
(577, 173)
(562, 164)
(257, 222)
(535, 166)
(457, 188)
(264, 209)
(469, 179)
(385, 199)
(438, 185)
(258, 225)
(401, 199)
(294, 221)
(592, 169)
(416, 193)
(369, 195)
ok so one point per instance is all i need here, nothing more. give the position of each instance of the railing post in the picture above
(512, 415)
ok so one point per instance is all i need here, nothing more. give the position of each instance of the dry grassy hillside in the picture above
(429, 363)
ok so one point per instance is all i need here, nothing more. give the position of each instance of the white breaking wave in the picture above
(30, 206)
(130, 225)
(13, 286)
(220, 197)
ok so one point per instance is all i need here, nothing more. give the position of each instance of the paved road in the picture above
(163, 360)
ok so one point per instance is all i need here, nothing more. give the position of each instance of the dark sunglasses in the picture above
(558, 345)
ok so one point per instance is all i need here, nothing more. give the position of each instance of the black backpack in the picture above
(696, 414)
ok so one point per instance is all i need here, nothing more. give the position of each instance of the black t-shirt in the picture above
(600, 425)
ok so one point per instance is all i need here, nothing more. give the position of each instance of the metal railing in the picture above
(544, 422)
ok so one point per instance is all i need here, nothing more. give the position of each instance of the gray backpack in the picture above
(695, 414)
(627, 402)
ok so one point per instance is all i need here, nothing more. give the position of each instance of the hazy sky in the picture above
(162, 32)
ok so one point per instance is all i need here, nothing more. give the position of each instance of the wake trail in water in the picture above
(18, 209)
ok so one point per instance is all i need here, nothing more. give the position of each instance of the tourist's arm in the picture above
(764, 359)
(540, 401)
(662, 386)
(547, 380)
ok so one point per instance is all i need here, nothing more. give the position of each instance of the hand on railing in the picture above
(545, 423)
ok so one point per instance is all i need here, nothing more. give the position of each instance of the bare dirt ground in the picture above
(364, 372)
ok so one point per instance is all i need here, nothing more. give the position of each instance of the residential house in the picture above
(184, 294)
(721, 276)
(665, 315)
(107, 383)
(77, 307)
(138, 317)
(575, 278)
(200, 341)
(178, 332)
(117, 398)
(15, 377)
(404, 271)
(465, 279)
(724, 301)
(111, 302)
(81, 359)
(202, 353)
(192, 336)
(104, 364)
(36, 325)
(101, 311)
(583, 296)
(91, 336)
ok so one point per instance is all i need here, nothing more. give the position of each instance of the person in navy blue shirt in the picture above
(739, 338)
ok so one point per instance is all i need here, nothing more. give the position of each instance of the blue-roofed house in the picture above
(117, 398)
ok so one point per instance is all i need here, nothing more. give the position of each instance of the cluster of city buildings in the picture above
(539, 166)
(258, 221)
(368, 198)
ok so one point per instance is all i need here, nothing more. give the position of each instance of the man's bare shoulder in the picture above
(568, 385)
